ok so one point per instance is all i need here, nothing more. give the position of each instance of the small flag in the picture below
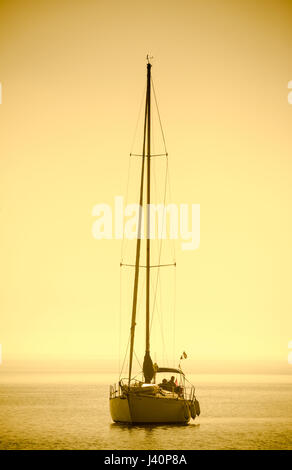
(184, 355)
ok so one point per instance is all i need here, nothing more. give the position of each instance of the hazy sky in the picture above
(73, 74)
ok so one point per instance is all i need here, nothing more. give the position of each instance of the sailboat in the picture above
(149, 401)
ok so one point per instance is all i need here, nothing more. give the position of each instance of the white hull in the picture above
(149, 409)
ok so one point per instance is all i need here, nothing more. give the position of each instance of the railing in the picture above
(118, 390)
(114, 391)
(189, 392)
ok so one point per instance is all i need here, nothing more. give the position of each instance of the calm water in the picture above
(71, 412)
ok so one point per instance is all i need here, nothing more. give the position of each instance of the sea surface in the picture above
(71, 411)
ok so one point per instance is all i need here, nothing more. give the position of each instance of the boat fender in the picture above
(197, 407)
(186, 411)
(192, 409)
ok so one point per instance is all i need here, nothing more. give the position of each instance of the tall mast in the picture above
(148, 370)
(138, 246)
(148, 209)
(147, 364)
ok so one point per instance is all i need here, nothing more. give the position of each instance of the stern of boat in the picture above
(147, 403)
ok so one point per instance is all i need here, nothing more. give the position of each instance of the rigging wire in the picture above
(170, 198)
(158, 280)
(138, 118)
(124, 244)
(163, 221)
(138, 310)
(159, 116)
(120, 321)
(174, 319)
(159, 251)
(137, 360)
(126, 353)
(160, 319)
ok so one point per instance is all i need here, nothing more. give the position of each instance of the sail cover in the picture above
(148, 369)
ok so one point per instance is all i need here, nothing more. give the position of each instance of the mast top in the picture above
(149, 58)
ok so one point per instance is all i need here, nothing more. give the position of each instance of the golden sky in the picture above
(72, 75)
